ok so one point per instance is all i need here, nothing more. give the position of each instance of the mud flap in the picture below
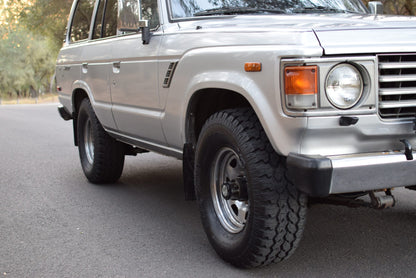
(188, 171)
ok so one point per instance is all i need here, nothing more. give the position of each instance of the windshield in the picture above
(192, 8)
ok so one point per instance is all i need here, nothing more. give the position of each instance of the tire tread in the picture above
(108, 153)
(279, 208)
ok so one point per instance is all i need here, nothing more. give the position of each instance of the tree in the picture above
(49, 19)
(27, 58)
(26, 65)
(399, 7)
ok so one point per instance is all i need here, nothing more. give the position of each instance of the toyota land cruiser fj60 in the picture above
(266, 102)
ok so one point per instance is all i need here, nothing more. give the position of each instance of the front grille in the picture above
(397, 86)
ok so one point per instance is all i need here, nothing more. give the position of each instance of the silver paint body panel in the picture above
(124, 78)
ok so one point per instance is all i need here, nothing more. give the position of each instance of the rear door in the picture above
(97, 60)
(69, 63)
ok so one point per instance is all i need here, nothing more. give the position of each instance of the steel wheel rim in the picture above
(231, 213)
(88, 142)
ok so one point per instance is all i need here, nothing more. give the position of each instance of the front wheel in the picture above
(252, 214)
(102, 157)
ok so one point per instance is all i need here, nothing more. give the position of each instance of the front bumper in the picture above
(320, 176)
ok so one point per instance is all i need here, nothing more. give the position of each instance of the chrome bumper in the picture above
(320, 176)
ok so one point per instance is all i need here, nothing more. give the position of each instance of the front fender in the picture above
(223, 68)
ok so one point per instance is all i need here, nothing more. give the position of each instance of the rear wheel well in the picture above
(77, 97)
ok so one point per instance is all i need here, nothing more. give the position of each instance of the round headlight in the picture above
(344, 86)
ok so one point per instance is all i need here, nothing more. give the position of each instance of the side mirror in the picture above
(145, 29)
(376, 7)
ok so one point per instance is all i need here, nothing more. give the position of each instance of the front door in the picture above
(134, 76)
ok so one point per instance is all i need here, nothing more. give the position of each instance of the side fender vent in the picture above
(169, 74)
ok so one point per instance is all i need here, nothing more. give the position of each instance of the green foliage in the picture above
(29, 43)
(48, 18)
(26, 65)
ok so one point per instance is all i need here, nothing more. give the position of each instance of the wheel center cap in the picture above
(226, 191)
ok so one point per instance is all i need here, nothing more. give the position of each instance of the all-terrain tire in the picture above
(263, 220)
(102, 157)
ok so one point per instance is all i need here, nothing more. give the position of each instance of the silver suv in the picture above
(266, 102)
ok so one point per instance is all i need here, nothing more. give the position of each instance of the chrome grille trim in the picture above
(400, 91)
(397, 104)
(397, 65)
(397, 86)
(401, 78)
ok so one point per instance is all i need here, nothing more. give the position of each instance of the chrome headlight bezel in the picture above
(366, 65)
(350, 85)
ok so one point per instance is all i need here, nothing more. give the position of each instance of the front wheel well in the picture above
(205, 103)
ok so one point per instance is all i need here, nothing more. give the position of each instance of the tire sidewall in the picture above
(214, 137)
(108, 154)
(85, 114)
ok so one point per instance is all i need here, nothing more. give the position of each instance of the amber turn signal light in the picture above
(252, 67)
(301, 80)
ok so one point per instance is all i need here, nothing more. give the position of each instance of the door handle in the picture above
(116, 67)
(84, 67)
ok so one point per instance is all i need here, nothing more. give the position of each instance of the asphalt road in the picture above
(53, 223)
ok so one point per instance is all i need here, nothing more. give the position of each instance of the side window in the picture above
(106, 20)
(98, 24)
(128, 15)
(110, 18)
(131, 11)
(81, 21)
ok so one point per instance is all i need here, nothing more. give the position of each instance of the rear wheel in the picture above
(102, 157)
(252, 214)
